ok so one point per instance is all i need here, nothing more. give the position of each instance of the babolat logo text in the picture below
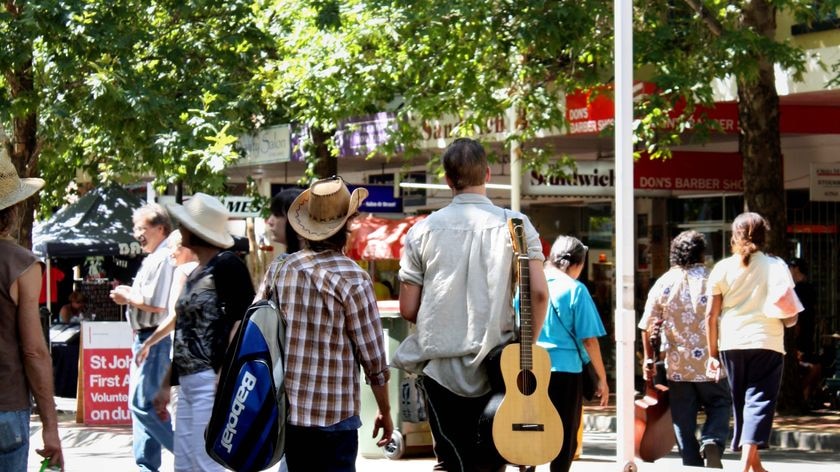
(245, 388)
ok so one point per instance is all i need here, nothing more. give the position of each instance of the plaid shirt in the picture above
(332, 326)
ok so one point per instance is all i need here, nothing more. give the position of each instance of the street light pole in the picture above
(625, 314)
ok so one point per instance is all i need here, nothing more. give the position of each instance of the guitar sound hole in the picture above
(526, 382)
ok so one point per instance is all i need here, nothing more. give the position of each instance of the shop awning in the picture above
(373, 238)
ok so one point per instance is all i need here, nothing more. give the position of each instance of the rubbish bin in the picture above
(408, 437)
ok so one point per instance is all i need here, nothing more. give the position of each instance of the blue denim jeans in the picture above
(150, 432)
(686, 400)
(14, 440)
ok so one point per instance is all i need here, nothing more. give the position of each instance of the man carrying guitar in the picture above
(679, 299)
(456, 281)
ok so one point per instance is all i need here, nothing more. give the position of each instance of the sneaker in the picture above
(712, 453)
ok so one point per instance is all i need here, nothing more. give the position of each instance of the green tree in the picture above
(475, 60)
(126, 90)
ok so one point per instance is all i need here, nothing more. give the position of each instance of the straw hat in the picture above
(321, 210)
(13, 189)
(206, 217)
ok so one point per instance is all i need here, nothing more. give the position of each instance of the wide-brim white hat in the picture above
(206, 217)
(13, 189)
(322, 210)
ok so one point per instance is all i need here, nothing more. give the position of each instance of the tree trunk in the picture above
(23, 148)
(326, 165)
(760, 146)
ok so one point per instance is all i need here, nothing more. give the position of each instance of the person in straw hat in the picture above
(25, 363)
(333, 327)
(212, 303)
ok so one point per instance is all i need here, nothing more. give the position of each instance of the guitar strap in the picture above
(514, 284)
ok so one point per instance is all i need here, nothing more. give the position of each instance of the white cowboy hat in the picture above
(13, 189)
(322, 209)
(206, 217)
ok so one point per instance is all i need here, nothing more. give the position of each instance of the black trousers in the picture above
(454, 423)
(566, 392)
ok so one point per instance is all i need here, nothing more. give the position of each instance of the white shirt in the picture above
(461, 256)
(743, 323)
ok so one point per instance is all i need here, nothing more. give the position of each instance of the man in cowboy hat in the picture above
(25, 364)
(455, 284)
(332, 326)
(146, 301)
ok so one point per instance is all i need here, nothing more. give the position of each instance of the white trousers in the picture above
(195, 403)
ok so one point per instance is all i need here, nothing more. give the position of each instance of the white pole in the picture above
(625, 314)
(515, 163)
(151, 195)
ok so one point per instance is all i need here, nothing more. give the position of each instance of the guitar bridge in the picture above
(527, 427)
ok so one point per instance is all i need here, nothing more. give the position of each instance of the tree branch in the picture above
(714, 25)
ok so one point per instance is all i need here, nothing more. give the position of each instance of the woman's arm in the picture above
(168, 323)
(712, 317)
(593, 348)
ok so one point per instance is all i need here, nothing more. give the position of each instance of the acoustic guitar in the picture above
(654, 431)
(527, 429)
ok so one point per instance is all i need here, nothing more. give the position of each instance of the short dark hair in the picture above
(465, 163)
(688, 248)
(336, 242)
(280, 204)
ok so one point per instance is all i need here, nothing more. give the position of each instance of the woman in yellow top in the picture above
(749, 340)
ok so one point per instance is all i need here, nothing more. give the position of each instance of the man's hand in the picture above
(387, 424)
(120, 294)
(161, 400)
(649, 369)
(603, 392)
(142, 354)
(52, 448)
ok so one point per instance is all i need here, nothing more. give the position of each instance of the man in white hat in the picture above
(332, 327)
(146, 301)
(455, 284)
(25, 364)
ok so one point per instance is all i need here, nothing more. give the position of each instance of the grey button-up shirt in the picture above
(462, 257)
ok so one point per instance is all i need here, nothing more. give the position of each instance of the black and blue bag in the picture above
(247, 427)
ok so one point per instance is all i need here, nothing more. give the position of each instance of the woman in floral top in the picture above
(679, 299)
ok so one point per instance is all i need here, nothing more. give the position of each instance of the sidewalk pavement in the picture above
(818, 431)
(102, 448)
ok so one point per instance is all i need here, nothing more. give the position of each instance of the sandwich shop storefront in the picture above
(692, 190)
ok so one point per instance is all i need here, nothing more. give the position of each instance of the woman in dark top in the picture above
(212, 303)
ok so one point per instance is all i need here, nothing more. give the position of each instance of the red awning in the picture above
(373, 238)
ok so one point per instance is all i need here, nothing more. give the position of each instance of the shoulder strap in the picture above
(568, 331)
(271, 287)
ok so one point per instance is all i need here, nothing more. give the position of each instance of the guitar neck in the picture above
(526, 330)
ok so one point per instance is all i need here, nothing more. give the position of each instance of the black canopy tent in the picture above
(98, 224)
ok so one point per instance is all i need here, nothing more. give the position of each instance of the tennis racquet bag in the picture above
(247, 427)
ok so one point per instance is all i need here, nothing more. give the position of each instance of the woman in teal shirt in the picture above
(571, 330)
